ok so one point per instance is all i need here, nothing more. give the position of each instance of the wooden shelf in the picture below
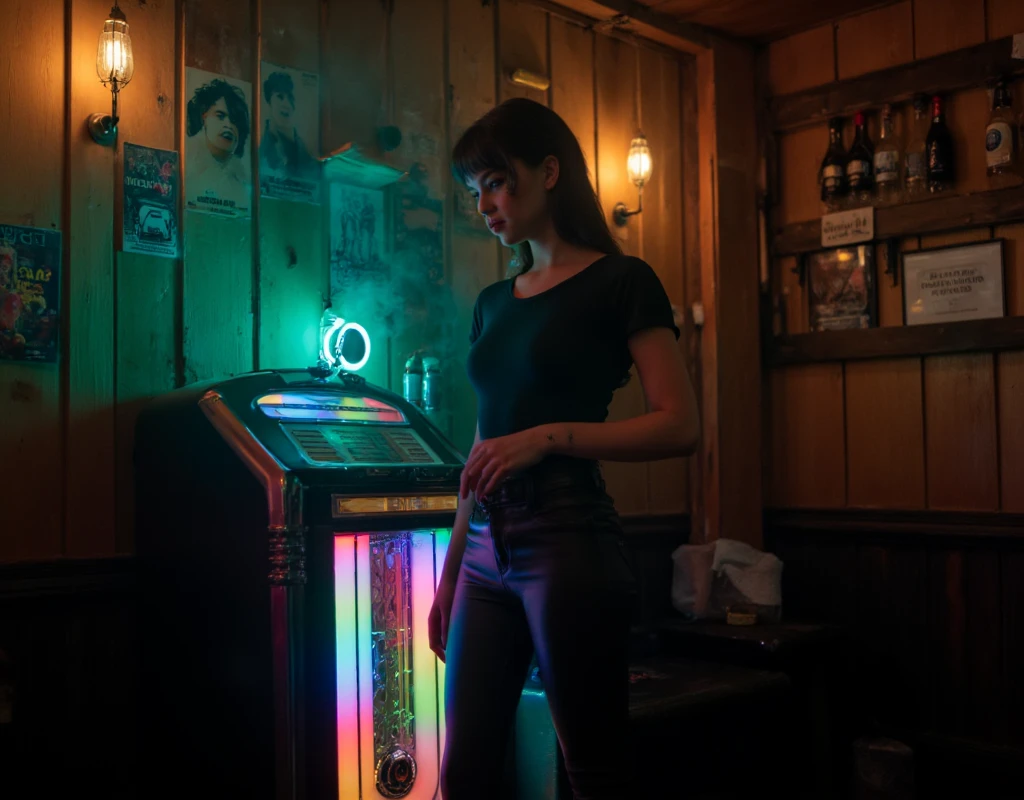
(969, 68)
(986, 335)
(995, 207)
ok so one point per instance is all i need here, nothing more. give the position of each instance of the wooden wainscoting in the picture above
(933, 607)
(68, 638)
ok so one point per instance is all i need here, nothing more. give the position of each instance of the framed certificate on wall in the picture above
(955, 283)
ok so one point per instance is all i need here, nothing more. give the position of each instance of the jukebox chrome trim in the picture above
(267, 469)
(287, 577)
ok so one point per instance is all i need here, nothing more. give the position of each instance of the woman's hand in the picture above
(493, 460)
(440, 613)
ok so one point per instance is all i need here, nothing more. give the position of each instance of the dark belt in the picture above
(529, 488)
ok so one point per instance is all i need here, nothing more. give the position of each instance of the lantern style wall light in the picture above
(638, 167)
(115, 66)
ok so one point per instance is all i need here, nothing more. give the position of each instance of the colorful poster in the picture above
(218, 167)
(357, 234)
(29, 293)
(150, 201)
(290, 102)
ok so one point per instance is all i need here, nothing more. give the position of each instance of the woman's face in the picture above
(514, 218)
(221, 132)
(281, 109)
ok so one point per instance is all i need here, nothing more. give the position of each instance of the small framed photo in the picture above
(954, 283)
(842, 288)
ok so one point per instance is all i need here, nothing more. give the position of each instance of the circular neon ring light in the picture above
(340, 328)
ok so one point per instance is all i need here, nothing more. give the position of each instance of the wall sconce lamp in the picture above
(115, 66)
(531, 80)
(638, 167)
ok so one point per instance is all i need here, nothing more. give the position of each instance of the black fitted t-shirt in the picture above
(559, 355)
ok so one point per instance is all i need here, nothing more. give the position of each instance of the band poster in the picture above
(29, 293)
(290, 103)
(218, 133)
(150, 201)
(356, 235)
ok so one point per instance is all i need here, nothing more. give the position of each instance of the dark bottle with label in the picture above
(833, 167)
(939, 151)
(860, 171)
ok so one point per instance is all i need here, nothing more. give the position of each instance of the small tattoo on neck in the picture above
(551, 437)
(570, 438)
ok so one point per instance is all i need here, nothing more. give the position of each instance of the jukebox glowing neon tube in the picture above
(390, 713)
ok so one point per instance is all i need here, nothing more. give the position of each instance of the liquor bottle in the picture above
(860, 164)
(915, 174)
(1001, 145)
(887, 161)
(939, 150)
(832, 174)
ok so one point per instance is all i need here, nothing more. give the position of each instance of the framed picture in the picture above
(954, 283)
(842, 288)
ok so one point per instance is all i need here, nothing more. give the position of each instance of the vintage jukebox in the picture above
(291, 527)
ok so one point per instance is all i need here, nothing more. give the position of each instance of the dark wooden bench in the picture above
(690, 721)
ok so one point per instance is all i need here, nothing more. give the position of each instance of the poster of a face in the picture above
(290, 102)
(357, 234)
(150, 201)
(218, 169)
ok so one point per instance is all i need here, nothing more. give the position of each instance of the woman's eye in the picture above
(495, 184)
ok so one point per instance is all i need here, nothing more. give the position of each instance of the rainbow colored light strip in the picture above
(356, 778)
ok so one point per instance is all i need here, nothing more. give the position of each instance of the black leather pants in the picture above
(544, 570)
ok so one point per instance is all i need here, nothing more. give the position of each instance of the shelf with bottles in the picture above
(891, 171)
(944, 74)
(980, 335)
(912, 185)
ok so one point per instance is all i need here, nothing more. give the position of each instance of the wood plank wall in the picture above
(938, 432)
(894, 485)
(247, 293)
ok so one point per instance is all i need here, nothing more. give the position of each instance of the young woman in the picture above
(536, 562)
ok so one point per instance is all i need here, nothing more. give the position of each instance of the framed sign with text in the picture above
(842, 288)
(955, 283)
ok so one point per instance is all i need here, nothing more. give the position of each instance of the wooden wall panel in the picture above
(355, 66)
(808, 467)
(32, 48)
(800, 154)
(616, 64)
(934, 632)
(983, 645)
(355, 71)
(661, 237)
(522, 44)
(147, 286)
(293, 269)
(960, 426)
(1012, 590)
(475, 255)
(966, 115)
(885, 434)
(218, 334)
(89, 304)
(572, 84)
(801, 61)
(418, 108)
(1004, 17)
(875, 40)
(1013, 276)
(944, 25)
(890, 298)
(1010, 402)
(947, 626)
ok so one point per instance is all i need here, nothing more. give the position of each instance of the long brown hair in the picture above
(524, 129)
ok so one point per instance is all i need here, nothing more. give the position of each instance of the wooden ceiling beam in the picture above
(640, 19)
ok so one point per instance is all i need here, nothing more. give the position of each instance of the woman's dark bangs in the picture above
(477, 152)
